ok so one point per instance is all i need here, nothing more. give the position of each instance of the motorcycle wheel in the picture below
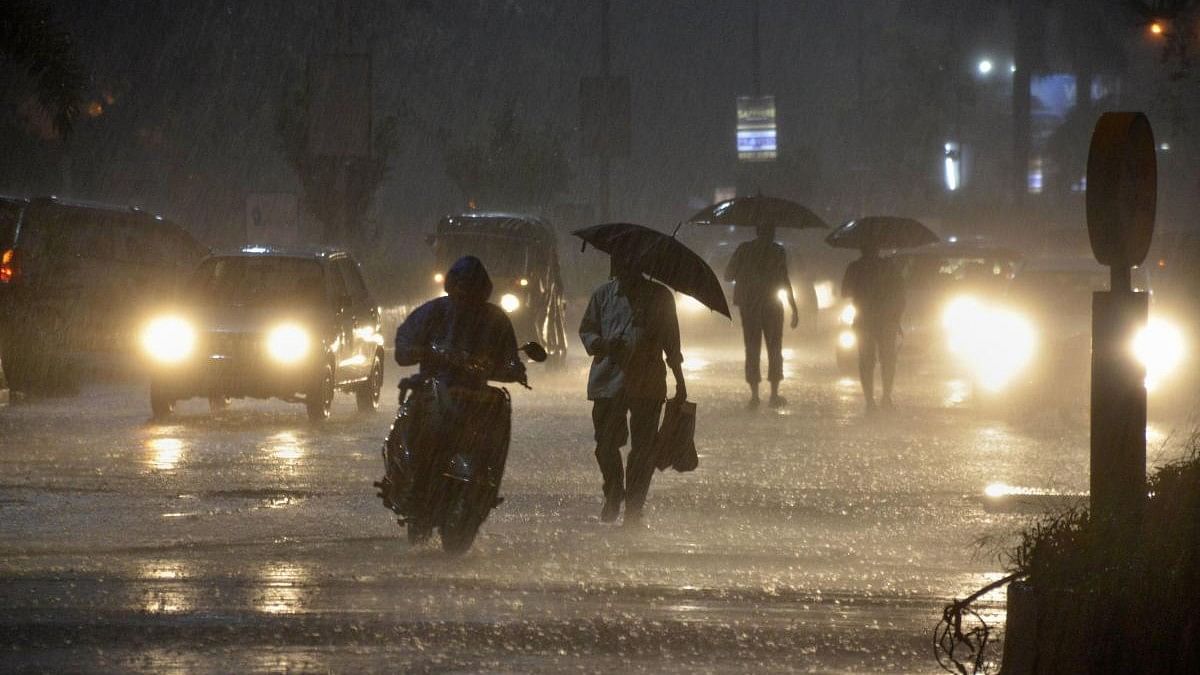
(460, 525)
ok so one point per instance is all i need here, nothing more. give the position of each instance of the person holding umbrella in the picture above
(759, 271)
(629, 328)
(876, 288)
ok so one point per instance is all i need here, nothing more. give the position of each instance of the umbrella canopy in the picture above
(755, 211)
(661, 257)
(882, 232)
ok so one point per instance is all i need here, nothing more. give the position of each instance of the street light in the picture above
(1157, 28)
(985, 67)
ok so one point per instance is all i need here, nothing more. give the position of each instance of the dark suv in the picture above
(75, 280)
(268, 323)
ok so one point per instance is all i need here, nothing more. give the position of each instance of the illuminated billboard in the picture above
(756, 128)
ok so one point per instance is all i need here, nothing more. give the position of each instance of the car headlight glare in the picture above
(847, 339)
(995, 343)
(847, 315)
(169, 339)
(1160, 347)
(288, 343)
(510, 303)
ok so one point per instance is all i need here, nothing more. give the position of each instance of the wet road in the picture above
(810, 539)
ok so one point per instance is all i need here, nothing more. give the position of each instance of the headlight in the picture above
(846, 317)
(169, 339)
(1160, 348)
(439, 278)
(509, 303)
(847, 339)
(995, 343)
(288, 343)
(524, 282)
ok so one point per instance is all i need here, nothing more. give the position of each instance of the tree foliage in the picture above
(507, 164)
(338, 191)
(31, 40)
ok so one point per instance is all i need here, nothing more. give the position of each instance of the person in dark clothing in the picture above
(460, 341)
(759, 270)
(876, 288)
(462, 322)
(628, 327)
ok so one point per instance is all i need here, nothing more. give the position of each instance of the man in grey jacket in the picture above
(628, 328)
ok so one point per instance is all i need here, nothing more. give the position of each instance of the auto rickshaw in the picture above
(521, 255)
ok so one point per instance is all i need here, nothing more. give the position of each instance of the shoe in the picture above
(871, 408)
(887, 404)
(777, 402)
(753, 403)
(612, 509)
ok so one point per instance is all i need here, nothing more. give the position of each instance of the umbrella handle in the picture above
(676, 230)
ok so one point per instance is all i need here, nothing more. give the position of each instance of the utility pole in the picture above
(605, 143)
(756, 44)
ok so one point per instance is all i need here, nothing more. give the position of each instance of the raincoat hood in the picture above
(468, 280)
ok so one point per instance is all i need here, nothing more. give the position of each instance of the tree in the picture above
(507, 165)
(31, 40)
(337, 190)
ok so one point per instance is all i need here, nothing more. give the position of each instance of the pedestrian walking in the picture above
(876, 288)
(628, 328)
(759, 271)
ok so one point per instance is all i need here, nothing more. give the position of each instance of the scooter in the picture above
(445, 454)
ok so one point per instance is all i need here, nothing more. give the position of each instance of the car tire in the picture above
(161, 404)
(319, 400)
(368, 393)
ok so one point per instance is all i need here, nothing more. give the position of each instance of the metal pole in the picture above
(605, 152)
(757, 46)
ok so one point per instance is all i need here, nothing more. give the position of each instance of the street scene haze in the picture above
(531, 336)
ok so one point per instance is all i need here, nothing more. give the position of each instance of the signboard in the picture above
(339, 106)
(604, 116)
(756, 128)
(272, 218)
(1122, 180)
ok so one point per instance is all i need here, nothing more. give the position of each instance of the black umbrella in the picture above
(882, 232)
(755, 211)
(661, 257)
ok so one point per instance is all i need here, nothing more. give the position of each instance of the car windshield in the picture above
(259, 281)
(502, 256)
(925, 274)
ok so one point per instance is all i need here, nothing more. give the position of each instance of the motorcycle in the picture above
(445, 454)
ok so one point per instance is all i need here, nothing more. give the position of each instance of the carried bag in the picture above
(675, 444)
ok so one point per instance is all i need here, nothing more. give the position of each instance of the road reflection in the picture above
(166, 597)
(164, 453)
(284, 588)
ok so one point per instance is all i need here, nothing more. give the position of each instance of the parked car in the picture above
(75, 277)
(521, 255)
(262, 322)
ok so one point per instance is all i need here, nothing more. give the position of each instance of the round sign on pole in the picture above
(1122, 184)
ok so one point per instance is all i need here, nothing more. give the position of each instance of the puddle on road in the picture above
(165, 451)
(284, 588)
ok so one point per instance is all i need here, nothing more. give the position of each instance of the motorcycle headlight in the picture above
(169, 339)
(288, 343)
(510, 303)
(1159, 346)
